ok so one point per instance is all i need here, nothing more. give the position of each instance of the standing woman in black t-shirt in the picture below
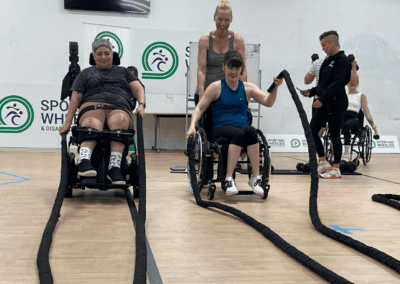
(332, 102)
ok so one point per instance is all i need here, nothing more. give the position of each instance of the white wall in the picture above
(35, 37)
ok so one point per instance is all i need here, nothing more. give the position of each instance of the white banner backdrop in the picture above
(162, 57)
(38, 107)
(31, 114)
(118, 36)
(298, 144)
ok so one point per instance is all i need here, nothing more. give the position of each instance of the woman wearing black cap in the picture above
(228, 99)
(108, 85)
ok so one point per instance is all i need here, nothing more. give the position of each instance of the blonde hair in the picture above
(223, 5)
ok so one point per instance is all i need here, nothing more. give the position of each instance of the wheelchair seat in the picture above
(206, 148)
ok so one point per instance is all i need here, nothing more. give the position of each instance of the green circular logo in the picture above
(115, 41)
(160, 61)
(16, 114)
(373, 144)
(295, 143)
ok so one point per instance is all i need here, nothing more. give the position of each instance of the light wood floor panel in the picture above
(94, 241)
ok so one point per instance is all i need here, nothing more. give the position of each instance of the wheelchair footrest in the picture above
(92, 183)
(245, 192)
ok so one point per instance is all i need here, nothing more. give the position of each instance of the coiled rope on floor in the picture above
(387, 199)
(43, 264)
(313, 206)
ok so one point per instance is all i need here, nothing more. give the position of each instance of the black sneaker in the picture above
(86, 169)
(114, 175)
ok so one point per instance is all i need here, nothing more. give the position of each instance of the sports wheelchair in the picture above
(101, 153)
(206, 149)
(361, 141)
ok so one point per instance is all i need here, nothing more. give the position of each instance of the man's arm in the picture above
(309, 78)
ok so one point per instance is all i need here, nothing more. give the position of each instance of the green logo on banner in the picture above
(16, 114)
(373, 144)
(295, 143)
(160, 61)
(115, 41)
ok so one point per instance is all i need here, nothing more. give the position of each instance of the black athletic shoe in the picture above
(114, 175)
(86, 169)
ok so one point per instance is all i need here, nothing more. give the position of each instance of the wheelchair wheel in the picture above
(200, 158)
(366, 147)
(211, 192)
(72, 174)
(265, 163)
(327, 145)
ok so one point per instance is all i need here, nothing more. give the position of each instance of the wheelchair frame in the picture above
(100, 160)
(363, 142)
(204, 163)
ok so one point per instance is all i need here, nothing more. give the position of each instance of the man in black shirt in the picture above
(332, 102)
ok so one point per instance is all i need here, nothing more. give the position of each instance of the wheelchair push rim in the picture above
(200, 159)
(367, 146)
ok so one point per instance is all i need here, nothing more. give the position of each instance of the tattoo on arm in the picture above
(371, 122)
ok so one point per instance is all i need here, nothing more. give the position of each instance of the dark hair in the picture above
(325, 34)
(233, 58)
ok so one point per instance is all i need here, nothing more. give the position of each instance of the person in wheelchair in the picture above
(104, 94)
(358, 104)
(228, 99)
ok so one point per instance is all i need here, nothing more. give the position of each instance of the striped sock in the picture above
(84, 153)
(115, 160)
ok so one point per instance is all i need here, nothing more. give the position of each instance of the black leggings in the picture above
(351, 125)
(333, 114)
(242, 137)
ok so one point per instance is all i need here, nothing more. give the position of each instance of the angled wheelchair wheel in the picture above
(327, 145)
(211, 192)
(72, 174)
(265, 163)
(200, 158)
(366, 147)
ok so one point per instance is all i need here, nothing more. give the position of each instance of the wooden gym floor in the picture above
(94, 241)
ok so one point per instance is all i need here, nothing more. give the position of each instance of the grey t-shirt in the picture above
(106, 86)
(214, 70)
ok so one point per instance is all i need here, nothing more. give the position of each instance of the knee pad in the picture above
(83, 133)
(124, 136)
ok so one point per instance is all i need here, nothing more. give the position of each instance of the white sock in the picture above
(346, 149)
(84, 153)
(115, 160)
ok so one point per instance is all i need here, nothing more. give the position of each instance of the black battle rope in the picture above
(43, 264)
(386, 199)
(361, 247)
(141, 249)
(267, 232)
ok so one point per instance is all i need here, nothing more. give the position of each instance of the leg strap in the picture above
(82, 134)
(124, 136)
